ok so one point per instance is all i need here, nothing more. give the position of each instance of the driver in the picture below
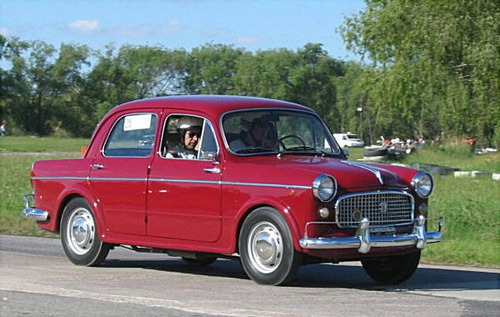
(189, 129)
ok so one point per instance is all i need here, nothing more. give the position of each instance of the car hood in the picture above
(349, 174)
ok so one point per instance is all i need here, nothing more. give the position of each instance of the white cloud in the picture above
(84, 26)
(210, 32)
(4, 31)
(247, 40)
(132, 31)
(170, 27)
(148, 30)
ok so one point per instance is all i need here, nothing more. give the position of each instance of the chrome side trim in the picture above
(118, 179)
(58, 178)
(173, 180)
(169, 180)
(268, 185)
(363, 240)
(188, 181)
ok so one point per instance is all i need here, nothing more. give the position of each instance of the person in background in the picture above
(3, 129)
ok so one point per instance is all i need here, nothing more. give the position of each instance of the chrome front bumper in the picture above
(364, 240)
(31, 212)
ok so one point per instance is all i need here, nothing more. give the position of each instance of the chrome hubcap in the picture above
(81, 231)
(265, 247)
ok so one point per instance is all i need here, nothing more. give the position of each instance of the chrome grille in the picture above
(381, 208)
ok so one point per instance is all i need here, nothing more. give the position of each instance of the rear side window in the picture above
(132, 136)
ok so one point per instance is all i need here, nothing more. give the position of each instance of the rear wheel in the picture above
(79, 236)
(392, 269)
(266, 248)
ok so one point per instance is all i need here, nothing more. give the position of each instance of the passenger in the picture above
(189, 129)
(259, 135)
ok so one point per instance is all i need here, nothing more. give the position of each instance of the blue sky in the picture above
(250, 24)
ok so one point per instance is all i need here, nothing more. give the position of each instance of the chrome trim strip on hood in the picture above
(375, 171)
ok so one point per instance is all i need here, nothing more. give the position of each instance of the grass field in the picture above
(36, 144)
(470, 206)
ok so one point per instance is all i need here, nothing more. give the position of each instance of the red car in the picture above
(261, 180)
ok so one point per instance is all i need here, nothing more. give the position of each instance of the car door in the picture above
(184, 194)
(118, 175)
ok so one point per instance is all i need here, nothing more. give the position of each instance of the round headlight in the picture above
(423, 184)
(324, 188)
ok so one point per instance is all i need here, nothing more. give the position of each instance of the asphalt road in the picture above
(37, 280)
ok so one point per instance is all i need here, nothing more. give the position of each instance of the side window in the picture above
(188, 137)
(132, 136)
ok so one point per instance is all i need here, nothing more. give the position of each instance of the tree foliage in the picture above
(436, 64)
(432, 69)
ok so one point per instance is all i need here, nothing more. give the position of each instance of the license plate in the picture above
(382, 230)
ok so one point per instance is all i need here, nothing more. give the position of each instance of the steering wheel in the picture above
(291, 136)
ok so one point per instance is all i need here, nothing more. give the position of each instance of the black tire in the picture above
(79, 236)
(392, 270)
(266, 248)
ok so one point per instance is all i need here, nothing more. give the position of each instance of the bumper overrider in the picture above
(364, 239)
(31, 212)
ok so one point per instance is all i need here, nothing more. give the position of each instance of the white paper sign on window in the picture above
(137, 122)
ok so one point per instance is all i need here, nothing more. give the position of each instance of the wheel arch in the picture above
(64, 202)
(68, 196)
(283, 209)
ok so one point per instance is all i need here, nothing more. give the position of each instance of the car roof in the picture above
(213, 104)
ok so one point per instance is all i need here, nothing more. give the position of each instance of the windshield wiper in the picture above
(300, 148)
(307, 151)
(255, 150)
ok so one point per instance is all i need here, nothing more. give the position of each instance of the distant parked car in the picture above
(348, 140)
(260, 180)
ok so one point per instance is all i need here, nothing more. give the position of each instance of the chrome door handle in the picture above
(214, 170)
(97, 166)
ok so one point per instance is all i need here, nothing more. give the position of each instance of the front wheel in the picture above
(266, 248)
(79, 236)
(392, 269)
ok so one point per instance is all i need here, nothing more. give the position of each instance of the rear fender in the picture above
(84, 192)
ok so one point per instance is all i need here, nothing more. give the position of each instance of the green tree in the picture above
(134, 73)
(437, 64)
(314, 82)
(69, 77)
(31, 88)
(40, 87)
(211, 69)
(265, 74)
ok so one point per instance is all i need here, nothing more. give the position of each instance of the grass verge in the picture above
(44, 144)
(470, 206)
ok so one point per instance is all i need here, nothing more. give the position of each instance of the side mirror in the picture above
(346, 152)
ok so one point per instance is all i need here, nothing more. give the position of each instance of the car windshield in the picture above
(277, 131)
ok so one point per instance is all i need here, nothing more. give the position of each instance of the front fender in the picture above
(280, 205)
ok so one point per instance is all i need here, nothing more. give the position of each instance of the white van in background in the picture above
(348, 140)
